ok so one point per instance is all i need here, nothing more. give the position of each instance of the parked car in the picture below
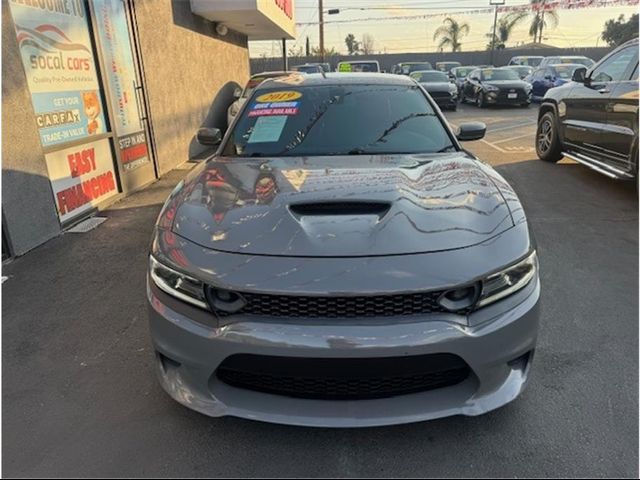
(548, 77)
(528, 60)
(241, 95)
(594, 119)
(459, 75)
(495, 86)
(308, 68)
(438, 84)
(406, 68)
(343, 262)
(447, 66)
(523, 71)
(370, 66)
(586, 61)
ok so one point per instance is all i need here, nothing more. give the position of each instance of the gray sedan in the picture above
(342, 261)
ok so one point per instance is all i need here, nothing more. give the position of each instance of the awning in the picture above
(258, 19)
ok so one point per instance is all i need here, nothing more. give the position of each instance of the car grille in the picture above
(503, 95)
(342, 307)
(342, 378)
(440, 95)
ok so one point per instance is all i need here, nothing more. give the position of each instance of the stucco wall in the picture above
(27, 199)
(186, 66)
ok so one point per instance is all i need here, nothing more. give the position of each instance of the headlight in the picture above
(453, 88)
(508, 281)
(234, 109)
(491, 88)
(177, 284)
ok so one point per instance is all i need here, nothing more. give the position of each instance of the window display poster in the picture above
(56, 52)
(113, 32)
(81, 177)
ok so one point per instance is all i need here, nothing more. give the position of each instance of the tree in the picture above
(353, 46)
(450, 33)
(295, 52)
(368, 43)
(315, 51)
(505, 26)
(616, 32)
(539, 23)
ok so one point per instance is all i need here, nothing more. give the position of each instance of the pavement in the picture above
(80, 398)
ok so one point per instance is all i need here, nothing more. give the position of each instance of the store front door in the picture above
(125, 92)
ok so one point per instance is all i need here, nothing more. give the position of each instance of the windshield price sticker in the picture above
(267, 129)
(275, 108)
(287, 96)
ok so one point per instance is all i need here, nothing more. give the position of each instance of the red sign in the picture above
(286, 6)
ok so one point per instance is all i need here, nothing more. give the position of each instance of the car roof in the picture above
(358, 61)
(551, 65)
(270, 74)
(318, 79)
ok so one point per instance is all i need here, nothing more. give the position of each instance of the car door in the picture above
(621, 131)
(537, 83)
(470, 84)
(589, 126)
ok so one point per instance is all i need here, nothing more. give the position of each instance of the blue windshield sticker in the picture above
(268, 129)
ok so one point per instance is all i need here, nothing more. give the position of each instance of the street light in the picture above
(495, 3)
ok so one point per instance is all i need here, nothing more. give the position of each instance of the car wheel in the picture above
(454, 108)
(548, 145)
(480, 100)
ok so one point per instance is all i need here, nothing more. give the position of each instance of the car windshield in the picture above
(521, 70)
(358, 67)
(338, 120)
(497, 74)
(462, 72)
(564, 71)
(414, 67)
(431, 76)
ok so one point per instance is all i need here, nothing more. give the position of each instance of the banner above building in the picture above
(257, 19)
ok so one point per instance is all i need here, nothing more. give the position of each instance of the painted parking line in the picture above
(511, 139)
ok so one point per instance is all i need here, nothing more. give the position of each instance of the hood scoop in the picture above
(318, 209)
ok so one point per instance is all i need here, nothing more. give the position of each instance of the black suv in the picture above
(594, 118)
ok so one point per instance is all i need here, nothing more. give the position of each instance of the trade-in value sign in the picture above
(55, 47)
(81, 177)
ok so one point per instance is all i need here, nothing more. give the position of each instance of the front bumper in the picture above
(502, 98)
(498, 351)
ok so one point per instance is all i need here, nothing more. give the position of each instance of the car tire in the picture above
(548, 147)
(524, 105)
(480, 102)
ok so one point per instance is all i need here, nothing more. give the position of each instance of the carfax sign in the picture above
(55, 47)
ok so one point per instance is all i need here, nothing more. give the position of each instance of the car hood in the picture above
(340, 206)
(504, 84)
(437, 86)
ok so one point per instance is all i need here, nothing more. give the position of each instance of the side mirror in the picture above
(209, 136)
(579, 75)
(471, 131)
(237, 93)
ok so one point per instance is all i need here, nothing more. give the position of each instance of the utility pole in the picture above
(321, 16)
(495, 21)
(285, 60)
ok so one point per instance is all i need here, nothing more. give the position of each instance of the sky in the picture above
(576, 28)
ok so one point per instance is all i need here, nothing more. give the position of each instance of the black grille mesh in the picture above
(341, 307)
(342, 379)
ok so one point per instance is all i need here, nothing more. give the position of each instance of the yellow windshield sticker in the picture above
(345, 67)
(285, 96)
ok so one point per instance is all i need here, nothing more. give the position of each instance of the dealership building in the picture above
(102, 97)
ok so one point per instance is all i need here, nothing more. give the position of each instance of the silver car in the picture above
(342, 261)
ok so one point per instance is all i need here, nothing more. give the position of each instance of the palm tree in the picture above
(504, 28)
(450, 34)
(539, 23)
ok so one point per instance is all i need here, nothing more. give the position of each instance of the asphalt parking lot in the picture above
(80, 397)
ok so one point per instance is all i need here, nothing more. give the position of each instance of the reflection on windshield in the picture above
(338, 120)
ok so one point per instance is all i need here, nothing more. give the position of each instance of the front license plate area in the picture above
(512, 95)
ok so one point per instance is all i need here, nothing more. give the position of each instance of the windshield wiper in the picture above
(449, 148)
